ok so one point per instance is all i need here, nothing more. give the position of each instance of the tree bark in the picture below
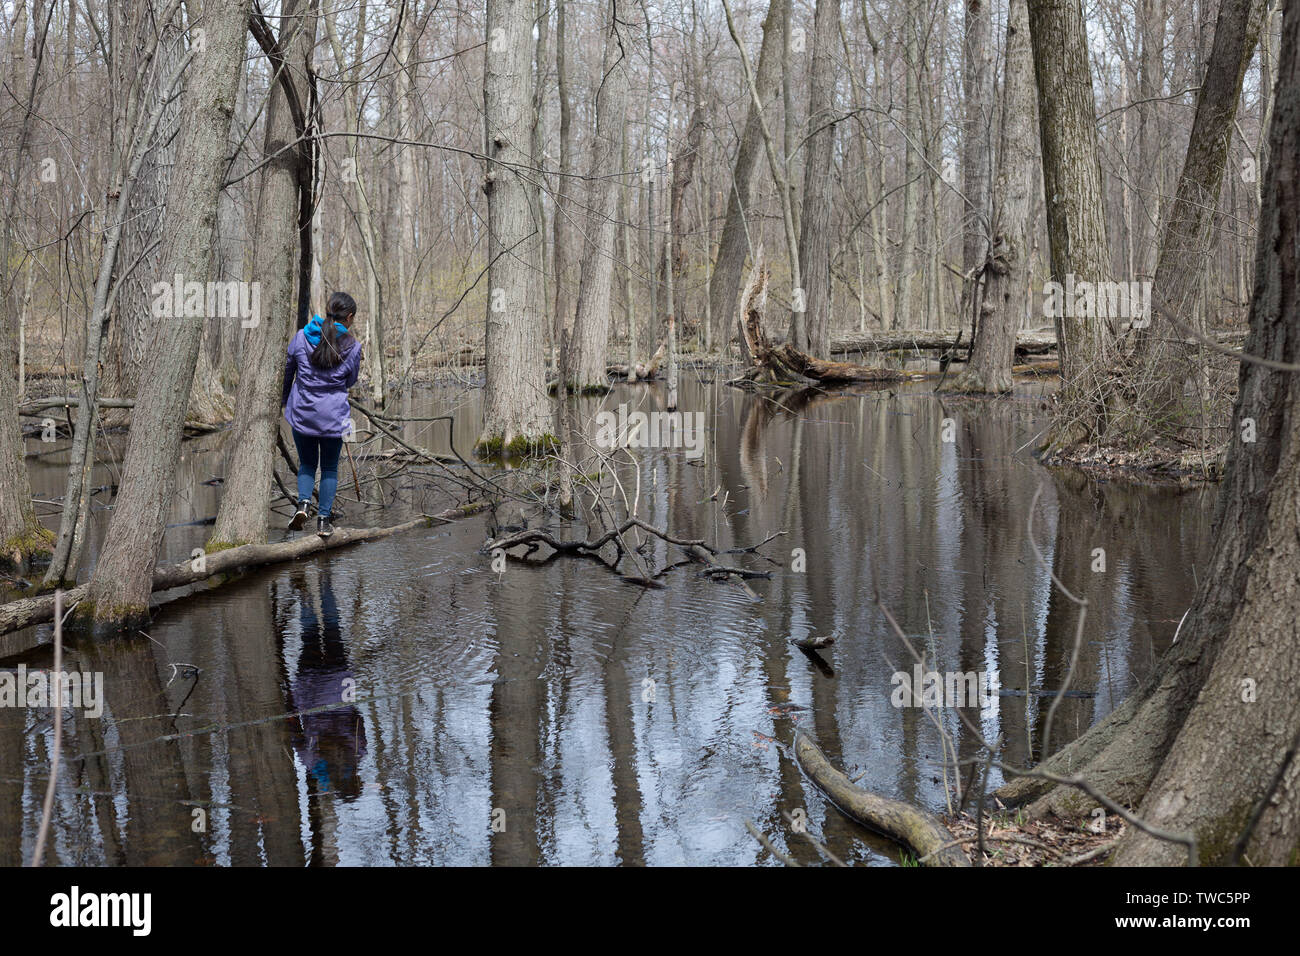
(911, 165)
(915, 829)
(592, 320)
(21, 533)
(1006, 276)
(514, 411)
(977, 149)
(1152, 22)
(774, 162)
(1187, 230)
(563, 317)
(243, 517)
(119, 589)
(1227, 763)
(407, 206)
(733, 246)
(810, 329)
(1076, 223)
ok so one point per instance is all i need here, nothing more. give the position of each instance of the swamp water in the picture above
(400, 702)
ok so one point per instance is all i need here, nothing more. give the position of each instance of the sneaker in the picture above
(323, 526)
(299, 517)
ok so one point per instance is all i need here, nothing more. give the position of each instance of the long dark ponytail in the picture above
(334, 347)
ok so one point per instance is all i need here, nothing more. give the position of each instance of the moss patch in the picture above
(519, 447)
(212, 547)
(591, 388)
(109, 618)
(35, 541)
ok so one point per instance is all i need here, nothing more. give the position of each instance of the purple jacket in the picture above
(315, 399)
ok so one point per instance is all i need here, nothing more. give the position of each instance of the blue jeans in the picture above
(314, 450)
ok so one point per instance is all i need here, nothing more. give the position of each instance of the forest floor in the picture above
(1011, 839)
(1164, 462)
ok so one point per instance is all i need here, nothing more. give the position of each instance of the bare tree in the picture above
(1205, 746)
(1186, 231)
(1076, 225)
(724, 284)
(977, 146)
(120, 587)
(21, 534)
(592, 319)
(515, 410)
(243, 515)
(810, 319)
(1006, 274)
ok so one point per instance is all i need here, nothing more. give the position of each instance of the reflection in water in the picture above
(329, 736)
(555, 714)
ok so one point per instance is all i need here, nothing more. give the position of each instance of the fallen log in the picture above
(785, 362)
(644, 370)
(34, 408)
(470, 356)
(903, 823)
(466, 355)
(1027, 343)
(15, 615)
(831, 373)
(39, 405)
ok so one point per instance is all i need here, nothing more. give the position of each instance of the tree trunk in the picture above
(977, 148)
(1076, 224)
(374, 321)
(119, 590)
(592, 320)
(563, 317)
(136, 27)
(514, 411)
(1151, 80)
(1187, 745)
(810, 327)
(245, 506)
(1229, 760)
(1187, 230)
(1006, 279)
(911, 165)
(21, 533)
(407, 207)
(728, 267)
(684, 159)
(775, 164)
(132, 151)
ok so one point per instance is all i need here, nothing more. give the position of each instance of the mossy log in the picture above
(901, 822)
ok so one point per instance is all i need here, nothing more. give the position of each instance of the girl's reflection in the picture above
(329, 735)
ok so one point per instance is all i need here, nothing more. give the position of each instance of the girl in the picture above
(324, 362)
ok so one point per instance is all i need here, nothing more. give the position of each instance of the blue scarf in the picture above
(312, 330)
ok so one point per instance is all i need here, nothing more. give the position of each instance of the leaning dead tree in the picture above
(784, 362)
